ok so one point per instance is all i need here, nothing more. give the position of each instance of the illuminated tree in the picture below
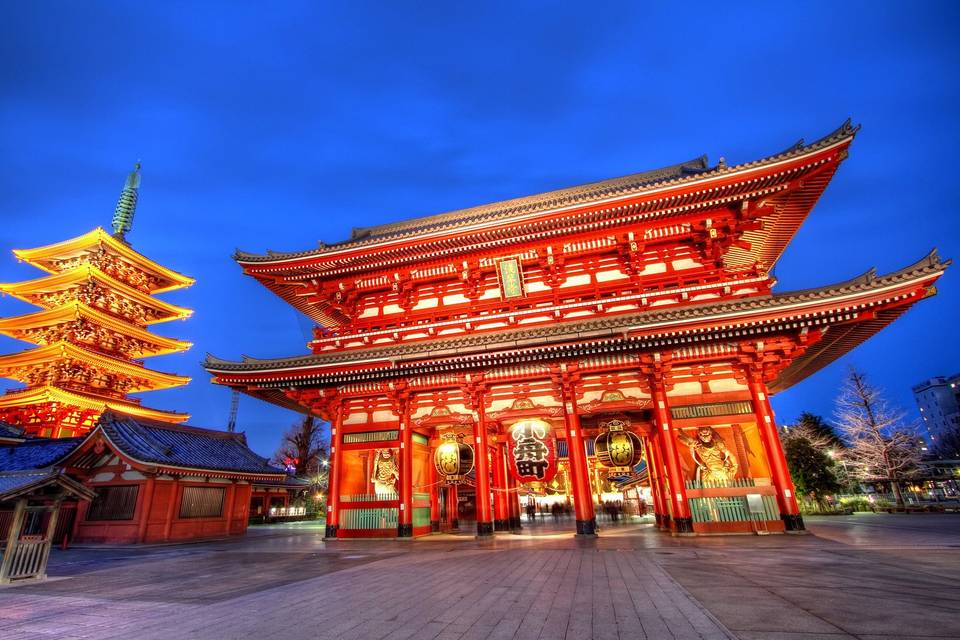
(881, 447)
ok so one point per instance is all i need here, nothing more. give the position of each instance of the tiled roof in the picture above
(12, 482)
(10, 431)
(36, 453)
(611, 325)
(288, 481)
(161, 443)
(628, 185)
(15, 484)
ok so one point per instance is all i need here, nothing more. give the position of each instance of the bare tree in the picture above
(881, 447)
(303, 448)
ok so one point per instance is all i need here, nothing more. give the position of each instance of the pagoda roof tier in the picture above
(849, 312)
(52, 258)
(16, 366)
(787, 184)
(32, 291)
(19, 327)
(52, 395)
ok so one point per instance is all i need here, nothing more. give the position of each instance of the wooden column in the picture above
(145, 509)
(433, 479)
(405, 520)
(82, 506)
(662, 485)
(453, 506)
(579, 473)
(482, 465)
(681, 521)
(513, 499)
(48, 535)
(230, 507)
(501, 494)
(656, 489)
(786, 494)
(336, 465)
(171, 508)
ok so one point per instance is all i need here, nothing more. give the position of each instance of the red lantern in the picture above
(532, 451)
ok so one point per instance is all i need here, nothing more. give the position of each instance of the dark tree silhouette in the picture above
(303, 447)
(819, 430)
(811, 468)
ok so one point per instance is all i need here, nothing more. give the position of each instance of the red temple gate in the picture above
(646, 300)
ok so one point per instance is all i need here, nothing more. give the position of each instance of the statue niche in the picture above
(715, 462)
(386, 472)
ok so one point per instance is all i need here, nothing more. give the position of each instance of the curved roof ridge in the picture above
(182, 446)
(170, 426)
(674, 174)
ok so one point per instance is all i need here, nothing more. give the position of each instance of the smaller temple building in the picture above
(149, 481)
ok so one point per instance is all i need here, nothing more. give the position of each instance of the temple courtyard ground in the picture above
(862, 576)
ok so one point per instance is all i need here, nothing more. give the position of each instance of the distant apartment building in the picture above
(939, 402)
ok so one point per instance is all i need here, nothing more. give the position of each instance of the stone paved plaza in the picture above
(863, 576)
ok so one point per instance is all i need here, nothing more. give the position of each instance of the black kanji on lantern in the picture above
(531, 452)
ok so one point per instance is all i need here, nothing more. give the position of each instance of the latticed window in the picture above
(202, 502)
(114, 503)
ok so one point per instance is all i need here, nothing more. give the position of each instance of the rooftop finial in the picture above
(127, 204)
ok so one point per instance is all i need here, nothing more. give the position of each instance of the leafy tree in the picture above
(812, 469)
(818, 431)
(302, 448)
(881, 447)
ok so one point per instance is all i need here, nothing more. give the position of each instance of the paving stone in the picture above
(631, 583)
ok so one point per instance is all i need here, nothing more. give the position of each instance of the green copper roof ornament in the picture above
(127, 204)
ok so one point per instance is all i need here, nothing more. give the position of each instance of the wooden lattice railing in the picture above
(29, 558)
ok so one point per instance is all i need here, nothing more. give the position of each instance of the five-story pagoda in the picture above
(91, 332)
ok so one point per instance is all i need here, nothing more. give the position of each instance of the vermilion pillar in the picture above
(786, 498)
(577, 453)
(482, 463)
(405, 521)
(501, 495)
(653, 475)
(336, 468)
(171, 505)
(513, 502)
(662, 485)
(453, 507)
(680, 509)
(434, 495)
(229, 506)
(145, 509)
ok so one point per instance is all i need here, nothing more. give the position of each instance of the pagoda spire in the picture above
(127, 204)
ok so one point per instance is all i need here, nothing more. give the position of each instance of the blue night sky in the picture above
(275, 127)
